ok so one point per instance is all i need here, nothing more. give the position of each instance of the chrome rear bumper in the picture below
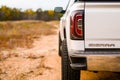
(95, 62)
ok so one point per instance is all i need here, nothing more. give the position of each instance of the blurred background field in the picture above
(21, 33)
(19, 27)
(28, 50)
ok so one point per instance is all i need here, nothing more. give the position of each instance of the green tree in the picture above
(29, 14)
(39, 14)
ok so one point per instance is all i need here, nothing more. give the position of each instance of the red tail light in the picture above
(77, 24)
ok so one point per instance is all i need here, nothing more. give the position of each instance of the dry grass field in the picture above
(21, 33)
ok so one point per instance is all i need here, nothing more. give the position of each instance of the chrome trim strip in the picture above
(101, 62)
(103, 5)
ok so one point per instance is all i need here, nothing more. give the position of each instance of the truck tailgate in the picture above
(102, 25)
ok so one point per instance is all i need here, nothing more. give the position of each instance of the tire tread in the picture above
(67, 72)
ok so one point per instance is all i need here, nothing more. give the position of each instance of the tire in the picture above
(59, 47)
(67, 72)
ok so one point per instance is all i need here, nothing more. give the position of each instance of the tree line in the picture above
(7, 13)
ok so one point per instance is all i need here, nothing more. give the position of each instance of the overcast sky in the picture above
(34, 4)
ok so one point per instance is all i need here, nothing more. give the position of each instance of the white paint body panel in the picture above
(73, 44)
(102, 24)
(76, 47)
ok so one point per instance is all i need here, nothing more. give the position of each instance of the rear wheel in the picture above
(59, 47)
(67, 72)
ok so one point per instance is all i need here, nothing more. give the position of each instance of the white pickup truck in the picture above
(89, 37)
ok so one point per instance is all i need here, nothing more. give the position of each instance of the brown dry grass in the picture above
(21, 33)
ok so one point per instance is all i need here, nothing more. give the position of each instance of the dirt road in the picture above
(40, 62)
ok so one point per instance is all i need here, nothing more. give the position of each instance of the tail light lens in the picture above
(77, 25)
